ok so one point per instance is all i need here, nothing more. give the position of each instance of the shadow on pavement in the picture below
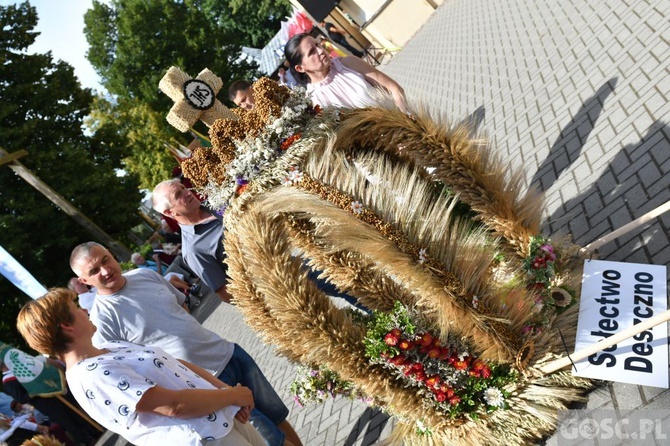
(573, 136)
(617, 197)
(375, 420)
(474, 120)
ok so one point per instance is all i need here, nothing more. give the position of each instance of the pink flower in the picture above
(549, 252)
(391, 340)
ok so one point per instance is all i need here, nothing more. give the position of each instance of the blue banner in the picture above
(19, 276)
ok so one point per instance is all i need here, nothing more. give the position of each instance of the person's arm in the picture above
(193, 403)
(377, 78)
(159, 264)
(336, 30)
(204, 374)
(224, 295)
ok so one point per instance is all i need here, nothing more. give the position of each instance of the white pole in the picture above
(606, 342)
(625, 228)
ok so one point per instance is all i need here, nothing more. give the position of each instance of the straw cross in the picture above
(193, 98)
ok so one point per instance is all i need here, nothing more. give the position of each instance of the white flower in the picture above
(423, 255)
(462, 356)
(294, 176)
(494, 397)
(475, 302)
(357, 207)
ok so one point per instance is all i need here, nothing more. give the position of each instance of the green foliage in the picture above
(132, 45)
(146, 250)
(42, 107)
(443, 373)
(134, 42)
(138, 132)
(253, 23)
(380, 324)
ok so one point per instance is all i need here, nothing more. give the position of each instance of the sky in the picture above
(61, 27)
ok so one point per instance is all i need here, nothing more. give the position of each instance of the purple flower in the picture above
(549, 252)
(313, 373)
(222, 210)
(241, 181)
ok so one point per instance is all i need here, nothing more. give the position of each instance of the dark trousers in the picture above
(342, 41)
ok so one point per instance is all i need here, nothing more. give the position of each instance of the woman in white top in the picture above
(341, 82)
(139, 392)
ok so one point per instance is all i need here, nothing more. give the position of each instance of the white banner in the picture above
(614, 297)
(19, 276)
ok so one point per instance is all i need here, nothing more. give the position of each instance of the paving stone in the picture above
(627, 397)
(651, 393)
(600, 397)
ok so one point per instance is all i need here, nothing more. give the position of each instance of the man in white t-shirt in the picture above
(141, 307)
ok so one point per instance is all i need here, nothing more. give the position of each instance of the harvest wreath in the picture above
(465, 306)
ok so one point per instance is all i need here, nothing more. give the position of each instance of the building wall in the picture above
(391, 23)
(380, 23)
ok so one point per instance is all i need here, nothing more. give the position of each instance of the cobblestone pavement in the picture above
(576, 94)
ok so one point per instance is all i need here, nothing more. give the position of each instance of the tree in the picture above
(42, 107)
(132, 124)
(254, 22)
(134, 42)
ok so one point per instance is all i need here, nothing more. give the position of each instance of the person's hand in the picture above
(243, 414)
(243, 396)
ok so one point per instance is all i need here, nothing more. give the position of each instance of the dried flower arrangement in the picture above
(351, 190)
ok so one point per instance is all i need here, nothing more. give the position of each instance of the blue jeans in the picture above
(331, 290)
(269, 409)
